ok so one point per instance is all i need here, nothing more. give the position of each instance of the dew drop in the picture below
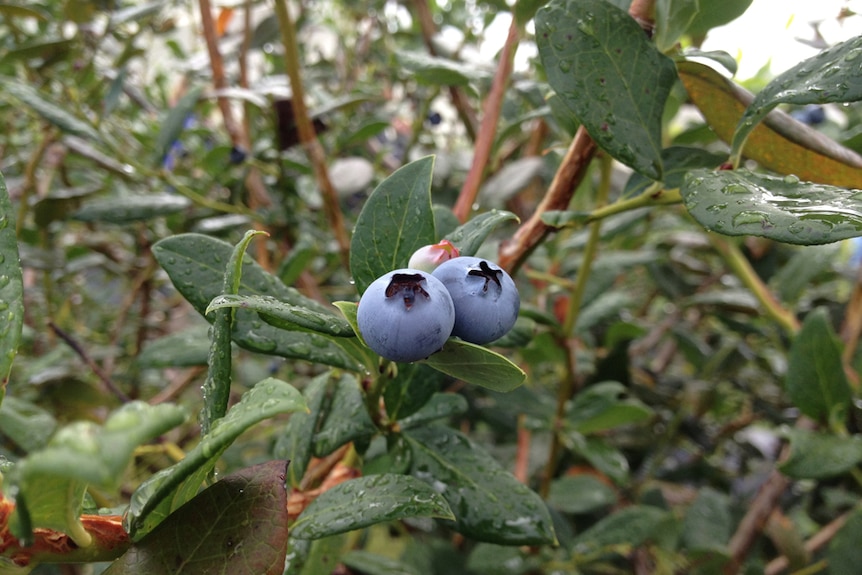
(852, 55)
(734, 189)
(716, 208)
(791, 179)
(751, 217)
(565, 66)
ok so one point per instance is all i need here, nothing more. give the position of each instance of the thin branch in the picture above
(77, 348)
(817, 541)
(307, 135)
(569, 175)
(488, 130)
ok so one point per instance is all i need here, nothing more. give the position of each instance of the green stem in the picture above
(565, 339)
(740, 266)
(653, 196)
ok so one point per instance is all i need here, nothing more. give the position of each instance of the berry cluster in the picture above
(408, 314)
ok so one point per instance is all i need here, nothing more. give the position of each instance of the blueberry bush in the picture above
(315, 287)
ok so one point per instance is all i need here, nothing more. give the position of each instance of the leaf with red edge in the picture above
(238, 526)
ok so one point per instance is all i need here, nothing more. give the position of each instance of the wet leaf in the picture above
(580, 494)
(185, 348)
(438, 71)
(346, 420)
(395, 221)
(51, 111)
(816, 382)
(368, 500)
(475, 364)
(468, 238)
(439, 406)
(612, 78)
(779, 143)
(678, 161)
(374, 564)
(489, 503)
(286, 316)
(816, 455)
(195, 263)
(174, 123)
(128, 209)
(411, 389)
(833, 75)
(297, 440)
(238, 526)
(603, 457)
(600, 407)
(26, 424)
(171, 488)
(631, 526)
(11, 289)
(673, 18)
(52, 480)
(740, 202)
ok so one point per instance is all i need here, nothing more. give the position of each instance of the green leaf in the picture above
(475, 364)
(600, 455)
(174, 123)
(186, 348)
(26, 424)
(678, 161)
(286, 316)
(437, 71)
(51, 111)
(11, 289)
(714, 13)
(816, 455)
(779, 143)
(741, 202)
(216, 387)
(133, 208)
(580, 494)
(411, 388)
(816, 382)
(395, 221)
(489, 503)
(238, 526)
(603, 66)
(296, 441)
(631, 526)
(385, 497)
(468, 238)
(834, 75)
(346, 420)
(52, 481)
(171, 488)
(599, 408)
(845, 553)
(708, 523)
(374, 564)
(793, 279)
(441, 405)
(673, 18)
(195, 263)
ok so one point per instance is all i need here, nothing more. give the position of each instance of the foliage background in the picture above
(668, 367)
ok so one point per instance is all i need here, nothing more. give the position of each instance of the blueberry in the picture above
(406, 315)
(485, 297)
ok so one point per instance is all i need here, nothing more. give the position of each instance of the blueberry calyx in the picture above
(408, 285)
(489, 274)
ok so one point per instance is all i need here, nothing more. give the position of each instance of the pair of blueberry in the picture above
(408, 314)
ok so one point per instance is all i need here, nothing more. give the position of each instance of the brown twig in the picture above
(239, 137)
(488, 129)
(77, 348)
(817, 541)
(456, 94)
(571, 172)
(307, 135)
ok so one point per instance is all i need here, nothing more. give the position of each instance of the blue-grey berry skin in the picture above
(406, 315)
(485, 297)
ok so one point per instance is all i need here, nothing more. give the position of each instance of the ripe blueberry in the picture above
(485, 297)
(405, 315)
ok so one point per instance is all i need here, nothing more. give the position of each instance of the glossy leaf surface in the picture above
(368, 500)
(395, 221)
(11, 289)
(740, 202)
(238, 526)
(488, 502)
(610, 76)
(286, 316)
(171, 488)
(195, 263)
(478, 365)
